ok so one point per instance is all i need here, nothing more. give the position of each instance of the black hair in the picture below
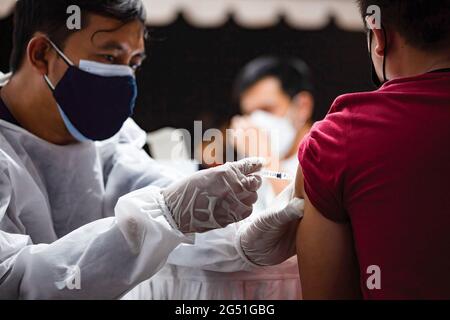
(293, 74)
(424, 24)
(50, 17)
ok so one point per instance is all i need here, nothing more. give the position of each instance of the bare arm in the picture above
(327, 261)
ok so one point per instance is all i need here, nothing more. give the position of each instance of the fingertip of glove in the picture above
(253, 182)
(252, 165)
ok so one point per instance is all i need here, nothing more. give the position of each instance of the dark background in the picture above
(189, 73)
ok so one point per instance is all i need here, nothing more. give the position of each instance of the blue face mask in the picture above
(94, 99)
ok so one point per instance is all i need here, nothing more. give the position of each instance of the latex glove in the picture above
(269, 238)
(214, 198)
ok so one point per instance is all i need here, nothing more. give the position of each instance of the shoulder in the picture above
(337, 124)
(132, 133)
(9, 164)
(353, 103)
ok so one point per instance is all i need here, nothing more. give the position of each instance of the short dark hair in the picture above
(424, 24)
(293, 74)
(50, 18)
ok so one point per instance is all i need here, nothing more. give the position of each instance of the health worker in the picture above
(85, 213)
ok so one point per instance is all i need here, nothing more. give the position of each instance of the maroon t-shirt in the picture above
(381, 161)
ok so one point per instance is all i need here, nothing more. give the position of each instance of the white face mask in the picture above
(281, 129)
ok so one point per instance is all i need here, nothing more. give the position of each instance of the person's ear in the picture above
(38, 53)
(380, 42)
(303, 108)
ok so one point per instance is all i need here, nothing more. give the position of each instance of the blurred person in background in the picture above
(85, 213)
(275, 96)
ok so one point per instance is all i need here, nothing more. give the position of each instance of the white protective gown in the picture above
(57, 218)
(212, 268)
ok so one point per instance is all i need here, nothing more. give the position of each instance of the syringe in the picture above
(276, 175)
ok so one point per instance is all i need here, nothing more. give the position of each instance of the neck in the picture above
(415, 62)
(33, 107)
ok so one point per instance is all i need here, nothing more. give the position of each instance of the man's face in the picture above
(104, 40)
(266, 95)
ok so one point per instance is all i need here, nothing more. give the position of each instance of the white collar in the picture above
(4, 78)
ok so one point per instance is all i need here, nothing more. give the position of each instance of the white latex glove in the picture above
(214, 198)
(269, 238)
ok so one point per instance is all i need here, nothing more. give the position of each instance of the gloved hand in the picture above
(216, 197)
(269, 238)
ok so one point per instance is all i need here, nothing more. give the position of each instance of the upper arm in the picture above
(325, 247)
(325, 251)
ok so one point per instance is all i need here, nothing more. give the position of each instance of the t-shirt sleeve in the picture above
(323, 159)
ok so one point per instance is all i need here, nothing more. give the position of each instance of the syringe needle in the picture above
(276, 175)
